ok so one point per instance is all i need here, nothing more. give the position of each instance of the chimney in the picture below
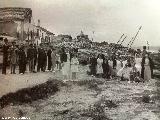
(39, 23)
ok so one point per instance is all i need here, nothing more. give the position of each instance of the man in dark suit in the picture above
(5, 49)
(35, 55)
(41, 59)
(49, 59)
(30, 57)
(63, 56)
(22, 60)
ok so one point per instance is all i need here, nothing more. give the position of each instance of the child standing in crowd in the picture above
(133, 73)
(74, 66)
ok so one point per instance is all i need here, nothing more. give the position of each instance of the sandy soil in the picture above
(93, 99)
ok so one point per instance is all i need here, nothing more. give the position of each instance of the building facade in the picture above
(13, 22)
(18, 23)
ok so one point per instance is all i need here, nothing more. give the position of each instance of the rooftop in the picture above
(9, 13)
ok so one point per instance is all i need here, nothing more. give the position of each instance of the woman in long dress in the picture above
(99, 65)
(58, 61)
(66, 67)
(147, 68)
(74, 67)
(105, 67)
(53, 60)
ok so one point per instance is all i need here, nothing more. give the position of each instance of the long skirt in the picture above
(53, 64)
(74, 68)
(66, 68)
(147, 73)
(99, 69)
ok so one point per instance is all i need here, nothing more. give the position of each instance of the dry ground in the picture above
(92, 99)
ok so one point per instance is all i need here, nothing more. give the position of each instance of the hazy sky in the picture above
(108, 18)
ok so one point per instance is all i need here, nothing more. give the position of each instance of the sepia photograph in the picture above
(79, 59)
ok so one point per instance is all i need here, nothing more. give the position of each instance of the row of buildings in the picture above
(17, 24)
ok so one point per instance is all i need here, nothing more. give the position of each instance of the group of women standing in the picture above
(99, 66)
(70, 64)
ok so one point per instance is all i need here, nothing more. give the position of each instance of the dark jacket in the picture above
(49, 53)
(63, 57)
(41, 56)
(105, 67)
(22, 57)
(30, 53)
(151, 66)
(35, 53)
(93, 62)
(5, 49)
(114, 61)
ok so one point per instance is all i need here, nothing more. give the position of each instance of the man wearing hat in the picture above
(30, 57)
(41, 59)
(5, 49)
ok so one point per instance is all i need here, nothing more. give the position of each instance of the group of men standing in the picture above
(35, 56)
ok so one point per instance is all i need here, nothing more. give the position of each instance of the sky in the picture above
(109, 19)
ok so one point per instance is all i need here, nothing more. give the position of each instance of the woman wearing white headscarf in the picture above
(99, 65)
(74, 66)
(66, 67)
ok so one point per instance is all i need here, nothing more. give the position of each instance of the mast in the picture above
(123, 40)
(120, 38)
(130, 42)
(135, 36)
(118, 41)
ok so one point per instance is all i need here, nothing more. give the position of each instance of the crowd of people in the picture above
(39, 58)
(104, 67)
